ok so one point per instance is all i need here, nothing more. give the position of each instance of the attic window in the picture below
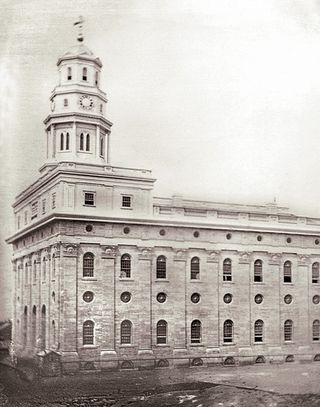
(84, 74)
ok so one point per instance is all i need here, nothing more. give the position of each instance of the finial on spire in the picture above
(79, 23)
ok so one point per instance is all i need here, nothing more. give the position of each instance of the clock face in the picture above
(86, 102)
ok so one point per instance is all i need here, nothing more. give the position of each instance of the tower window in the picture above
(258, 331)
(81, 142)
(88, 265)
(257, 277)
(101, 108)
(65, 102)
(228, 331)
(161, 267)
(196, 331)
(44, 205)
(126, 201)
(315, 273)
(84, 74)
(101, 146)
(125, 332)
(61, 141)
(97, 78)
(195, 268)
(288, 329)
(67, 141)
(287, 272)
(89, 198)
(227, 270)
(162, 332)
(87, 142)
(88, 333)
(316, 330)
(34, 210)
(125, 266)
(69, 74)
(53, 201)
(25, 217)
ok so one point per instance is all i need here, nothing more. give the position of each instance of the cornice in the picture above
(76, 117)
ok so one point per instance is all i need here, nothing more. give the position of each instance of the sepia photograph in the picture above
(160, 203)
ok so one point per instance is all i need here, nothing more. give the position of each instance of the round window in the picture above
(196, 234)
(288, 299)
(227, 298)
(126, 230)
(88, 296)
(89, 228)
(316, 299)
(195, 298)
(228, 236)
(162, 232)
(258, 299)
(125, 297)
(259, 238)
(289, 240)
(161, 297)
(317, 241)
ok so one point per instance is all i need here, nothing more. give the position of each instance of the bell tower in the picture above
(77, 129)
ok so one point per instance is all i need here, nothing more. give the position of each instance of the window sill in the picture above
(196, 345)
(228, 344)
(89, 279)
(228, 282)
(126, 279)
(161, 280)
(89, 206)
(195, 280)
(89, 347)
(258, 283)
(162, 345)
(125, 207)
(123, 345)
(288, 342)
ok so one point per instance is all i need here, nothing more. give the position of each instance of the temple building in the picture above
(109, 276)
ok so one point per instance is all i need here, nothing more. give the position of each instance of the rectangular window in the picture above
(89, 198)
(25, 217)
(44, 206)
(227, 275)
(34, 210)
(126, 201)
(65, 102)
(18, 221)
(53, 200)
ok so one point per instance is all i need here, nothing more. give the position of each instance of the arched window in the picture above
(43, 328)
(53, 265)
(288, 330)
(88, 333)
(125, 266)
(228, 331)
(34, 326)
(315, 273)
(53, 324)
(25, 326)
(84, 74)
(97, 78)
(316, 330)
(258, 331)
(69, 74)
(88, 264)
(44, 269)
(161, 267)
(195, 268)
(196, 331)
(257, 273)
(162, 332)
(227, 270)
(287, 272)
(88, 142)
(26, 273)
(61, 141)
(81, 142)
(67, 141)
(101, 146)
(125, 332)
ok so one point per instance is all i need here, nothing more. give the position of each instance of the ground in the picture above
(284, 385)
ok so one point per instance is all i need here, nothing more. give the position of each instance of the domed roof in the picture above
(79, 51)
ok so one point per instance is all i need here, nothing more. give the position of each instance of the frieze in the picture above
(303, 260)
(213, 256)
(109, 252)
(244, 257)
(180, 255)
(69, 250)
(145, 253)
(274, 258)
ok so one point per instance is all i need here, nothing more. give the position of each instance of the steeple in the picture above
(77, 130)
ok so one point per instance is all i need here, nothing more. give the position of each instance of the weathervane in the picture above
(79, 23)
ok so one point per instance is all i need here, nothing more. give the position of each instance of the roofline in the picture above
(96, 60)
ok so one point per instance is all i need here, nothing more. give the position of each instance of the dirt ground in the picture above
(257, 385)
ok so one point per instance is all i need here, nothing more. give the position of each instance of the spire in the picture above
(79, 23)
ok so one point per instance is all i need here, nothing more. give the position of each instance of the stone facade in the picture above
(108, 276)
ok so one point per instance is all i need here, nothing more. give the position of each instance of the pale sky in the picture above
(220, 99)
